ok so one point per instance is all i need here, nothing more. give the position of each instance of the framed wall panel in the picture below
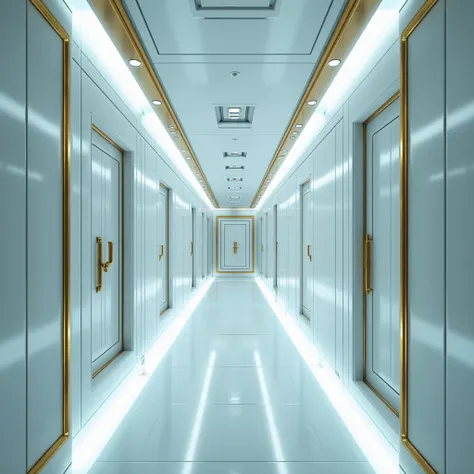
(48, 211)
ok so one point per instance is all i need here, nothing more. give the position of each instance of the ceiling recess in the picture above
(233, 9)
(234, 116)
(234, 154)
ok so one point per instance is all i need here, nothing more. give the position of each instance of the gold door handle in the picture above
(308, 251)
(192, 249)
(162, 252)
(368, 264)
(98, 288)
(236, 246)
(109, 262)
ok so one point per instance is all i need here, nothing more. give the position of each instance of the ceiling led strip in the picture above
(121, 31)
(352, 23)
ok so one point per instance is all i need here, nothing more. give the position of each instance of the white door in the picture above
(107, 320)
(306, 250)
(193, 240)
(235, 244)
(382, 254)
(275, 227)
(163, 259)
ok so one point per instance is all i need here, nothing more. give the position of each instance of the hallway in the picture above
(232, 396)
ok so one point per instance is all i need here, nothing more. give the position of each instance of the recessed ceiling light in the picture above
(284, 151)
(234, 73)
(299, 125)
(312, 102)
(134, 62)
(188, 157)
(234, 110)
(294, 133)
(334, 62)
(183, 150)
(156, 102)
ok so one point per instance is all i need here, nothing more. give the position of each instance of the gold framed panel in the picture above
(404, 157)
(252, 219)
(96, 129)
(364, 253)
(66, 333)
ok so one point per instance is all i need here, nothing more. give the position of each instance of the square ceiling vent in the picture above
(232, 9)
(234, 116)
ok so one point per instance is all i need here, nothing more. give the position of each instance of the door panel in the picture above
(163, 259)
(275, 227)
(306, 249)
(235, 245)
(107, 327)
(193, 243)
(383, 254)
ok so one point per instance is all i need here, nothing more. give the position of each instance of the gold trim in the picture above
(252, 218)
(417, 19)
(66, 149)
(121, 30)
(122, 250)
(352, 22)
(381, 109)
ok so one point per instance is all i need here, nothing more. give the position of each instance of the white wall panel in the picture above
(45, 243)
(13, 238)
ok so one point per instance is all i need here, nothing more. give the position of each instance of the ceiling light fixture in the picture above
(156, 102)
(234, 110)
(299, 125)
(312, 102)
(134, 62)
(234, 73)
(334, 62)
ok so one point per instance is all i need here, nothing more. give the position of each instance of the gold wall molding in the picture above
(252, 244)
(114, 18)
(352, 22)
(366, 260)
(66, 332)
(414, 23)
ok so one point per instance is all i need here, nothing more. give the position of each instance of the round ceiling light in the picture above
(134, 62)
(235, 73)
(156, 102)
(334, 62)
(299, 125)
(312, 102)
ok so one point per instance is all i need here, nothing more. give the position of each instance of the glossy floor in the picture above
(232, 396)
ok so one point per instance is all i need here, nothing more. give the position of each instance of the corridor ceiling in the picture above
(254, 56)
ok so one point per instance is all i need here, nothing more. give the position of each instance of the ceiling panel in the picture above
(177, 30)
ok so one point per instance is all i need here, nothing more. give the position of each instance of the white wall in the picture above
(334, 163)
(94, 100)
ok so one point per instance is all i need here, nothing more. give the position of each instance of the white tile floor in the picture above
(232, 396)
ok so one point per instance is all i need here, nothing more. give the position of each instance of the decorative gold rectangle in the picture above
(252, 218)
(62, 33)
(417, 19)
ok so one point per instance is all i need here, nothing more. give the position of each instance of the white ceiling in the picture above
(196, 44)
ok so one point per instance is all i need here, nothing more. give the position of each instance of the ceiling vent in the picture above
(236, 9)
(234, 154)
(234, 188)
(234, 198)
(234, 116)
(233, 180)
(234, 168)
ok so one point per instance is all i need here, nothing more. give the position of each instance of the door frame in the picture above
(168, 249)
(301, 246)
(252, 245)
(103, 135)
(366, 263)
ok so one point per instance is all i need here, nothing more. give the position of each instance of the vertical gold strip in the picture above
(404, 157)
(66, 150)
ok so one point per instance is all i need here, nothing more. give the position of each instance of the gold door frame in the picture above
(381, 109)
(252, 219)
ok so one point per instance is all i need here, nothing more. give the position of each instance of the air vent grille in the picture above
(234, 168)
(234, 154)
(234, 179)
(232, 9)
(234, 116)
